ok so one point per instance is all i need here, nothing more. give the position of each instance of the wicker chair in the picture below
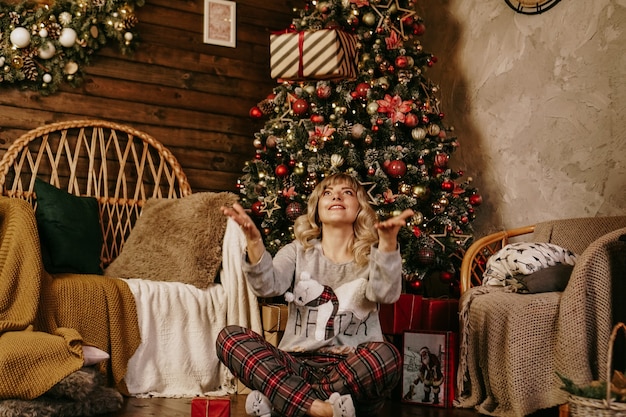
(120, 166)
(513, 344)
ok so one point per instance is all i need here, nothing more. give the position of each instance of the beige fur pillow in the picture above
(177, 240)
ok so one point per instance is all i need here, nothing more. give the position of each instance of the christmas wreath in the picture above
(45, 43)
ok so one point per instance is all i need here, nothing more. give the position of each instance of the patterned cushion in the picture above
(524, 258)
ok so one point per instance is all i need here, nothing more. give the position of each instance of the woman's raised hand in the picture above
(238, 214)
(388, 230)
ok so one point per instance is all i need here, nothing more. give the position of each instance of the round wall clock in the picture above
(531, 6)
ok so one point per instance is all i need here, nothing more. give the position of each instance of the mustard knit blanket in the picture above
(44, 321)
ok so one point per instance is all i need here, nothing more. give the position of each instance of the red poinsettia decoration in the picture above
(289, 192)
(393, 41)
(322, 132)
(394, 107)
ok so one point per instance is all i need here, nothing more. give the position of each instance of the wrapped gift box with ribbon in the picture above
(274, 319)
(404, 314)
(210, 407)
(316, 55)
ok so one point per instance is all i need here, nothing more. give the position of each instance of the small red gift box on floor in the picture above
(404, 314)
(210, 407)
(440, 314)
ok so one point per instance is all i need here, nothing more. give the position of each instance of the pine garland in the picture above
(43, 45)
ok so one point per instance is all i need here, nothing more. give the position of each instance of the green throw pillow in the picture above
(69, 230)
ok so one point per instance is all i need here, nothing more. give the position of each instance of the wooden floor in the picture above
(175, 407)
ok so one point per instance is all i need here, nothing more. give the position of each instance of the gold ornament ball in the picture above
(419, 191)
(369, 19)
(433, 129)
(17, 62)
(418, 133)
(405, 188)
(443, 201)
(372, 108)
(336, 160)
(437, 209)
(417, 218)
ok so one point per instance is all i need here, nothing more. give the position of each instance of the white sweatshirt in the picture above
(331, 305)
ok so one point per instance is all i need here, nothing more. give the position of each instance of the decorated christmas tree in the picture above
(353, 97)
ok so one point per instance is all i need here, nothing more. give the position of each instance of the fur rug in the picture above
(82, 393)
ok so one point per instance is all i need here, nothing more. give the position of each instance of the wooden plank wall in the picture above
(193, 97)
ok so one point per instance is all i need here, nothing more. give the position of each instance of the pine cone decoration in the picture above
(15, 18)
(267, 106)
(30, 69)
(130, 22)
(30, 52)
(54, 30)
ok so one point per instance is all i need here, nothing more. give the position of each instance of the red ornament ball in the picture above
(362, 89)
(475, 199)
(419, 29)
(411, 120)
(323, 91)
(447, 185)
(441, 160)
(281, 170)
(415, 285)
(256, 113)
(300, 106)
(396, 168)
(317, 118)
(446, 276)
(426, 256)
(402, 61)
(256, 208)
(293, 210)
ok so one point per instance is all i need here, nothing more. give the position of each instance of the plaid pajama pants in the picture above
(292, 381)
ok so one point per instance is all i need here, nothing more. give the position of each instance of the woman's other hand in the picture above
(256, 248)
(388, 231)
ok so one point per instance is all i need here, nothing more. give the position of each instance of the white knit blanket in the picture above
(179, 324)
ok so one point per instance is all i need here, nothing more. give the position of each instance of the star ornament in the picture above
(380, 13)
(270, 204)
(461, 239)
(407, 13)
(372, 186)
(438, 237)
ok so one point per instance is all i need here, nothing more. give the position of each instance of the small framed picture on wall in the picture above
(429, 368)
(220, 22)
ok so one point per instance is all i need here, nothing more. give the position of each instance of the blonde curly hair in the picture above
(308, 226)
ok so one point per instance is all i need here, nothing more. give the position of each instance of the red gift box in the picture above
(319, 55)
(210, 407)
(440, 314)
(404, 314)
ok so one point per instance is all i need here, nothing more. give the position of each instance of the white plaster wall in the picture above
(538, 104)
